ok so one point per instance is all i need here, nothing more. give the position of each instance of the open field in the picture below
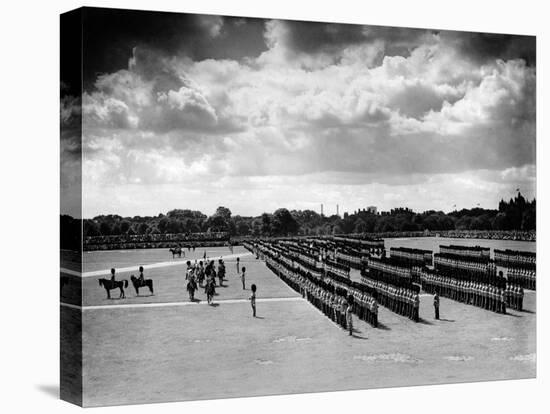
(162, 348)
(433, 243)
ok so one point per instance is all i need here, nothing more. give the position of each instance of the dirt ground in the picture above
(179, 351)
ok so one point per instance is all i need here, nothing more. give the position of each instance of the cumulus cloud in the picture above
(373, 106)
(152, 94)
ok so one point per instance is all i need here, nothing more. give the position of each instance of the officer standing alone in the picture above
(436, 305)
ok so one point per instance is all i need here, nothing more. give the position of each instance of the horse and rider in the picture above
(110, 284)
(176, 250)
(140, 281)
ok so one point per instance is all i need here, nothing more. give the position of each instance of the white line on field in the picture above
(168, 304)
(149, 266)
(70, 272)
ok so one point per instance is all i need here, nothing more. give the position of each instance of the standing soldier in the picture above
(238, 268)
(520, 298)
(436, 305)
(349, 319)
(253, 299)
(243, 278)
(417, 307)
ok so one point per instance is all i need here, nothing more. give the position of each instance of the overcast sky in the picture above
(188, 111)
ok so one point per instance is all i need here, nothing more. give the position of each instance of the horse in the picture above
(109, 285)
(175, 251)
(137, 284)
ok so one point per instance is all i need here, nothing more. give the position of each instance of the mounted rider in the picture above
(141, 278)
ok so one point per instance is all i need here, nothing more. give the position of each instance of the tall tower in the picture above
(337, 210)
(321, 209)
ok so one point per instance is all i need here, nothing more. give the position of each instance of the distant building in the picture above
(372, 209)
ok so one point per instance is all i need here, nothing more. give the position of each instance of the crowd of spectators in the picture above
(154, 240)
(490, 234)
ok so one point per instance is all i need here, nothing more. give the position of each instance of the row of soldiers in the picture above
(364, 305)
(329, 299)
(466, 269)
(483, 295)
(514, 296)
(522, 277)
(356, 295)
(404, 280)
(332, 302)
(491, 278)
(403, 301)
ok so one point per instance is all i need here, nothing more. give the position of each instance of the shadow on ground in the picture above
(51, 390)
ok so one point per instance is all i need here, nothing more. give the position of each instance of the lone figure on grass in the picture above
(436, 305)
(349, 317)
(252, 299)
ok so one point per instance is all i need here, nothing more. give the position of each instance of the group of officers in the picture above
(198, 275)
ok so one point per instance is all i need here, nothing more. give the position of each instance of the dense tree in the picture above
(515, 214)
(283, 223)
(266, 224)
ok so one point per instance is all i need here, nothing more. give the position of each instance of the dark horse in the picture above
(137, 284)
(175, 251)
(110, 285)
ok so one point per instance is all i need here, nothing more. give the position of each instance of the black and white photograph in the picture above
(255, 206)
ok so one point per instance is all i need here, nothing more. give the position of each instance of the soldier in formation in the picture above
(522, 277)
(483, 295)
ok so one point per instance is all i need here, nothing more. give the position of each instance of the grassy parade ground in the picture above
(161, 347)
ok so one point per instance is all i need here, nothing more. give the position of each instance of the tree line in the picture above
(515, 214)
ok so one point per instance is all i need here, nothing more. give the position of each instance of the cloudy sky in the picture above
(191, 111)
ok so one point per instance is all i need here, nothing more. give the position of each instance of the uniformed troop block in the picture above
(516, 259)
(411, 257)
(467, 252)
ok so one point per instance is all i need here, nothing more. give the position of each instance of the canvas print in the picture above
(252, 206)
